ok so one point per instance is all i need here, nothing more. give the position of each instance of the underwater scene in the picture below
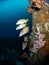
(24, 32)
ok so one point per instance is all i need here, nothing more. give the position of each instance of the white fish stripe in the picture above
(22, 21)
(21, 26)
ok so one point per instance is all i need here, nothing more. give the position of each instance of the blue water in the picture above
(10, 12)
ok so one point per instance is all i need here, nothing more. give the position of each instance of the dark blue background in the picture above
(10, 43)
(10, 12)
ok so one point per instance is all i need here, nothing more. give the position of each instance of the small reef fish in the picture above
(20, 26)
(22, 21)
(24, 45)
(47, 26)
(24, 31)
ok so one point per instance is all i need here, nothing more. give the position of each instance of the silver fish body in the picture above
(20, 26)
(21, 21)
(24, 31)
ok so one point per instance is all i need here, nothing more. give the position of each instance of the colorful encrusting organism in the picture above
(40, 26)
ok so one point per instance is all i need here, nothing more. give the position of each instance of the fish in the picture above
(24, 31)
(24, 45)
(47, 26)
(20, 26)
(22, 21)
